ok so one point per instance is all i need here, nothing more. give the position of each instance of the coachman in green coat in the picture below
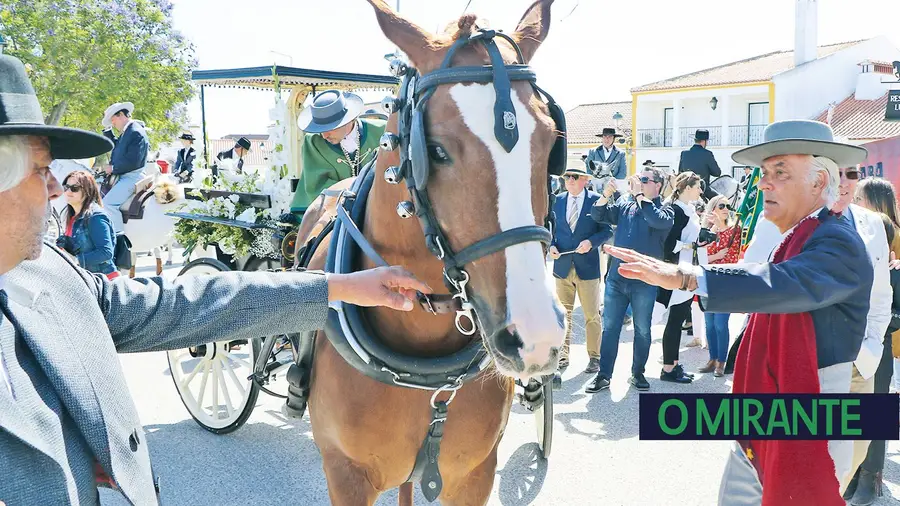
(337, 144)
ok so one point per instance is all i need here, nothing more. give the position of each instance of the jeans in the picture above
(717, 335)
(117, 196)
(619, 293)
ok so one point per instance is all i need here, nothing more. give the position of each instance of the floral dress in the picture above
(730, 240)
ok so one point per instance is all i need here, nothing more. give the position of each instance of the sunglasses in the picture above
(573, 177)
(645, 180)
(722, 206)
(74, 188)
(851, 174)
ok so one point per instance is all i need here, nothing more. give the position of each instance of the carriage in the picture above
(219, 383)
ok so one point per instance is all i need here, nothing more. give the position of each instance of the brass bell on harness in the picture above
(406, 209)
(391, 104)
(392, 175)
(399, 68)
(389, 141)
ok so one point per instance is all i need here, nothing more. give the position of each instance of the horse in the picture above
(153, 229)
(479, 183)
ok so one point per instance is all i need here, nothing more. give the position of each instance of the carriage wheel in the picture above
(212, 379)
(543, 417)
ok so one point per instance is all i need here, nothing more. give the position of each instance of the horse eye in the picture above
(438, 154)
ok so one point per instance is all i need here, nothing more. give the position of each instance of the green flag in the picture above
(750, 209)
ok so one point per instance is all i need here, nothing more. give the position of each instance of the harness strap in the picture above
(482, 75)
(426, 470)
(501, 241)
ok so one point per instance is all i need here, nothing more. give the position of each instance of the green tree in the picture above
(84, 55)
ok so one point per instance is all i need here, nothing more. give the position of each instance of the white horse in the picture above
(155, 230)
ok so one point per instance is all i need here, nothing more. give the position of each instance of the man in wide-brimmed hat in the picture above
(606, 159)
(238, 152)
(184, 163)
(700, 161)
(128, 158)
(576, 267)
(809, 308)
(67, 421)
(338, 143)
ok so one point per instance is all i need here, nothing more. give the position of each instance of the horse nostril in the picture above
(508, 342)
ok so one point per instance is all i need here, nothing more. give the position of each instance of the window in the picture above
(668, 126)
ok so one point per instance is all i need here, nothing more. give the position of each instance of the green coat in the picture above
(320, 162)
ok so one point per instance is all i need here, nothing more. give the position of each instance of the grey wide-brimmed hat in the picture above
(329, 110)
(20, 114)
(374, 114)
(800, 137)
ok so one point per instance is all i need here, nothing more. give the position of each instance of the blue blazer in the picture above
(587, 266)
(130, 153)
(831, 279)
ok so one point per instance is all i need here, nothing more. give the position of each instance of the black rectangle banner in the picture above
(769, 416)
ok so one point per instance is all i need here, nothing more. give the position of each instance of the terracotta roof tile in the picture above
(861, 119)
(587, 120)
(758, 68)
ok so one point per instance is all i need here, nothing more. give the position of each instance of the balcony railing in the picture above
(715, 135)
(746, 135)
(655, 137)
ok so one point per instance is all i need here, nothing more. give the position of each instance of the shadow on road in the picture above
(522, 478)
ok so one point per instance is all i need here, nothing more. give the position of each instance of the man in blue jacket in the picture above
(128, 157)
(642, 223)
(576, 267)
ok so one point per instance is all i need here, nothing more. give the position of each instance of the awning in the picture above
(291, 77)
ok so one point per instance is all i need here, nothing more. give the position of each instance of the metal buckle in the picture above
(429, 305)
(450, 387)
(466, 310)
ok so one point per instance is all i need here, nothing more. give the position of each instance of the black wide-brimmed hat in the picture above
(609, 131)
(244, 143)
(187, 136)
(701, 135)
(329, 110)
(649, 163)
(20, 114)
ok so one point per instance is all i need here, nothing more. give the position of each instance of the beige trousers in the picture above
(588, 292)
(858, 385)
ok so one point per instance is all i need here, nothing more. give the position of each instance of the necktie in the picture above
(573, 213)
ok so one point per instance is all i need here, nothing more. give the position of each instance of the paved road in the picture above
(597, 458)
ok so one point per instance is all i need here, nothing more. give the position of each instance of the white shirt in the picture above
(351, 142)
(607, 151)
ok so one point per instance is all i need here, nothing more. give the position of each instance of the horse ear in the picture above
(533, 28)
(409, 37)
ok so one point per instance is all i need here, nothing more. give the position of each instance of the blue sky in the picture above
(596, 54)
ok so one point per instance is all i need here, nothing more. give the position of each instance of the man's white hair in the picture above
(15, 153)
(832, 176)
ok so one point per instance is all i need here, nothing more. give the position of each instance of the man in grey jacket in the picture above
(67, 422)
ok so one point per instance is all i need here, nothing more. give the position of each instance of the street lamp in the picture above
(617, 120)
(713, 103)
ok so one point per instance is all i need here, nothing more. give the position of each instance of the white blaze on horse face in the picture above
(531, 304)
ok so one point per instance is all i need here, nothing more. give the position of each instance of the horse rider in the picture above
(606, 160)
(240, 149)
(128, 158)
(338, 143)
(184, 164)
(700, 161)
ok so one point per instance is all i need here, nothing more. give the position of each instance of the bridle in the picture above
(414, 168)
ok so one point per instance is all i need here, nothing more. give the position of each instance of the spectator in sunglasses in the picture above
(870, 228)
(724, 250)
(89, 233)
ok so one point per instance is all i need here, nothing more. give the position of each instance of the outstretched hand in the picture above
(392, 287)
(647, 269)
(894, 263)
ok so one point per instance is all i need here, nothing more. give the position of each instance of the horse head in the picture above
(480, 178)
(167, 190)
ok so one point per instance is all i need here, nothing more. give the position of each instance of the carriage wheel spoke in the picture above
(229, 409)
(206, 366)
(187, 381)
(235, 379)
(215, 390)
(240, 361)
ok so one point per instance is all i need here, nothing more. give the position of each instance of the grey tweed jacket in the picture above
(75, 323)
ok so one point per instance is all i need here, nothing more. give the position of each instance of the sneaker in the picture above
(674, 376)
(695, 342)
(639, 382)
(709, 367)
(627, 321)
(681, 371)
(593, 366)
(599, 383)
